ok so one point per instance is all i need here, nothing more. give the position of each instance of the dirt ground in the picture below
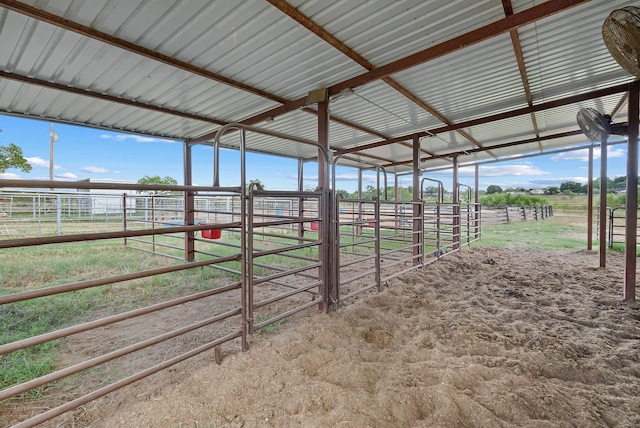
(483, 338)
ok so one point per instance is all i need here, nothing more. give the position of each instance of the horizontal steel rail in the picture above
(65, 332)
(93, 362)
(73, 404)
(50, 291)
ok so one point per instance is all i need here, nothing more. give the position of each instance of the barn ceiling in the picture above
(483, 80)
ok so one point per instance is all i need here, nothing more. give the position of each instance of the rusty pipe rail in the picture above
(52, 413)
(440, 188)
(81, 237)
(65, 332)
(243, 128)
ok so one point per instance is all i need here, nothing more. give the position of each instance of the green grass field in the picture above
(562, 231)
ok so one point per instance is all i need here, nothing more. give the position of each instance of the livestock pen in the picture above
(390, 88)
(271, 255)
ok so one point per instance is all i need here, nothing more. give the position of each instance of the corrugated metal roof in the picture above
(565, 54)
(466, 84)
(384, 31)
(182, 68)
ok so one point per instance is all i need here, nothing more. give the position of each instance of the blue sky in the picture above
(82, 153)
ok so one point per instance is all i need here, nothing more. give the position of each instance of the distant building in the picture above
(620, 190)
(104, 201)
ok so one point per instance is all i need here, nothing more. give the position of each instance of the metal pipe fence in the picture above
(510, 214)
(255, 261)
(137, 220)
(616, 225)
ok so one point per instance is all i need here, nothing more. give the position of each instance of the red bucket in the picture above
(314, 226)
(212, 233)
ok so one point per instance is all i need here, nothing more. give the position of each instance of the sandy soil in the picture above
(483, 338)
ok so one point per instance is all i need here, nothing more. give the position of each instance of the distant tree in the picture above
(430, 192)
(11, 157)
(257, 182)
(370, 192)
(619, 181)
(156, 179)
(610, 185)
(343, 194)
(551, 190)
(493, 189)
(573, 186)
(404, 193)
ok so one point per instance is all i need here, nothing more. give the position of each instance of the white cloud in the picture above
(9, 176)
(136, 138)
(519, 170)
(583, 155)
(97, 169)
(38, 162)
(68, 175)
(354, 177)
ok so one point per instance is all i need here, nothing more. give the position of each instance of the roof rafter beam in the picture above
(499, 116)
(517, 48)
(502, 26)
(497, 146)
(103, 97)
(621, 103)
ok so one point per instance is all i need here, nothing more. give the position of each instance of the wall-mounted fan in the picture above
(621, 34)
(597, 126)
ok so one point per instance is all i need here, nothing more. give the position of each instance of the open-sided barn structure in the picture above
(398, 87)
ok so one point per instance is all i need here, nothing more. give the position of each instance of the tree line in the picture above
(566, 188)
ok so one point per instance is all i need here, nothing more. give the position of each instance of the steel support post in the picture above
(360, 204)
(590, 201)
(603, 203)
(456, 206)
(417, 221)
(377, 246)
(300, 200)
(243, 241)
(328, 255)
(476, 199)
(189, 208)
(631, 220)
(124, 216)
(396, 194)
